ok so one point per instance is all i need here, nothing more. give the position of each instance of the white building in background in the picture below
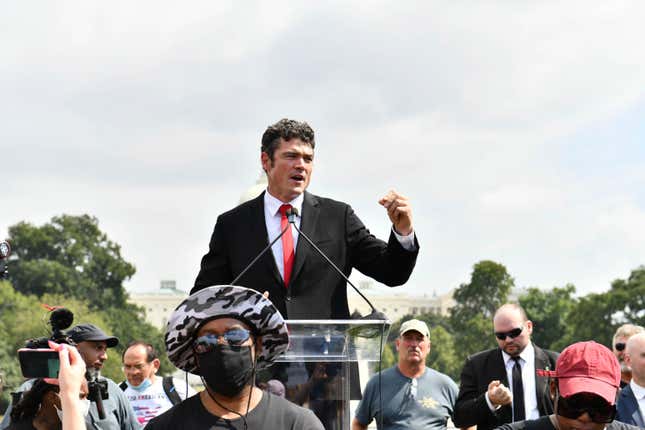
(398, 302)
(159, 304)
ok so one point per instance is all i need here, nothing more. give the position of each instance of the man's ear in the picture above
(552, 388)
(156, 363)
(266, 161)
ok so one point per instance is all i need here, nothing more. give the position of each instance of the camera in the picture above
(37, 360)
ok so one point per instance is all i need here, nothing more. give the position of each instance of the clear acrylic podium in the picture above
(320, 368)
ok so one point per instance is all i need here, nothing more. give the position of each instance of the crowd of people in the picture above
(231, 335)
(228, 335)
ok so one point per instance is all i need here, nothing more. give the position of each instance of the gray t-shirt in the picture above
(426, 402)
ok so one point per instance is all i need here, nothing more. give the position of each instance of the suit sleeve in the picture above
(388, 263)
(471, 407)
(215, 268)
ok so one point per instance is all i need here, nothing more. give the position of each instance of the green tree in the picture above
(548, 310)
(596, 316)
(70, 261)
(628, 298)
(475, 304)
(443, 357)
(72, 256)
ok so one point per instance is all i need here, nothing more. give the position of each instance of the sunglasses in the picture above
(501, 335)
(573, 407)
(620, 346)
(233, 337)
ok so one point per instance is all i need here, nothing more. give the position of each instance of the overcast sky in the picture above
(515, 127)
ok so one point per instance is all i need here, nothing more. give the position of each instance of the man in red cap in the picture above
(584, 387)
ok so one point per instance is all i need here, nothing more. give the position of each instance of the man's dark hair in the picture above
(29, 403)
(151, 352)
(286, 129)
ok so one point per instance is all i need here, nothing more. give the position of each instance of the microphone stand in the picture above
(375, 314)
(246, 269)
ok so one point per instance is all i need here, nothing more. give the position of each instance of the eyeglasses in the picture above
(573, 407)
(620, 346)
(501, 335)
(233, 337)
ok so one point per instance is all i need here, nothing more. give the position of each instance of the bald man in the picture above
(631, 400)
(500, 385)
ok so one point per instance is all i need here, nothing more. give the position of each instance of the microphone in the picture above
(5, 252)
(375, 314)
(5, 249)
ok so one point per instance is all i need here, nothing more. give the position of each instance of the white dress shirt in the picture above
(527, 362)
(272, 218)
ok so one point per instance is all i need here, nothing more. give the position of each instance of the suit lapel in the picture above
(541, 362)
(632, 405)
(259, 239)
(308, 224)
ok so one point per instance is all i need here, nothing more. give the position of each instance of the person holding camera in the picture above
(52, 404)
(92, 344)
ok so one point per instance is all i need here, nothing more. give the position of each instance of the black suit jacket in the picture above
(627, 410)
(482, 368)
(316, 291)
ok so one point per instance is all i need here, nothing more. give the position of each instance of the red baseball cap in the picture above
(586, 367)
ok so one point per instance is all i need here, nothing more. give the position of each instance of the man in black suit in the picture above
(299, 281)
(484, 399)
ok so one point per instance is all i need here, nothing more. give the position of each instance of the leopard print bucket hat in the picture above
(221, 301)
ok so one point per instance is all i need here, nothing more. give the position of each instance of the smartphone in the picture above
(39, 363)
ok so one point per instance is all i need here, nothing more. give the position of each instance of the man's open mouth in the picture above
(299, 178)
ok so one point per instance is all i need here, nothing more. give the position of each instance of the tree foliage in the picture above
(475, 304)
(72, 256)
(72, 263)
(548, 310)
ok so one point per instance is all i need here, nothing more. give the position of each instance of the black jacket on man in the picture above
(316, 291)
(482, 368)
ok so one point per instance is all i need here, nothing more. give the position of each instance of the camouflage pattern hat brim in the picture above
(247, 305)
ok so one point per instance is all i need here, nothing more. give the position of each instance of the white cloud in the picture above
(149, 115)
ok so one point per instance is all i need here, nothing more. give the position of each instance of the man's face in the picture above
(136, 367)
(583, 421)
(506, 321)
(94, 353)
(290, 170)
(413, 347)
(635, 359)
(221, 325)
(620, 354)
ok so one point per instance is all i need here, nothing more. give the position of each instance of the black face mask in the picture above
(226, 369)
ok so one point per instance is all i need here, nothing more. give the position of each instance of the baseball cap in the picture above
(586, 367)
(90, 332)
(415, 325)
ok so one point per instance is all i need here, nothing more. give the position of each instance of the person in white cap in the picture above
(411, 394)
(225, 334)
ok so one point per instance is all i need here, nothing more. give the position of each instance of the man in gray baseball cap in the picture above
(92, 343)
(412, 395)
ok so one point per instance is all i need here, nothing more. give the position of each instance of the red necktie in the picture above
(287, 244)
